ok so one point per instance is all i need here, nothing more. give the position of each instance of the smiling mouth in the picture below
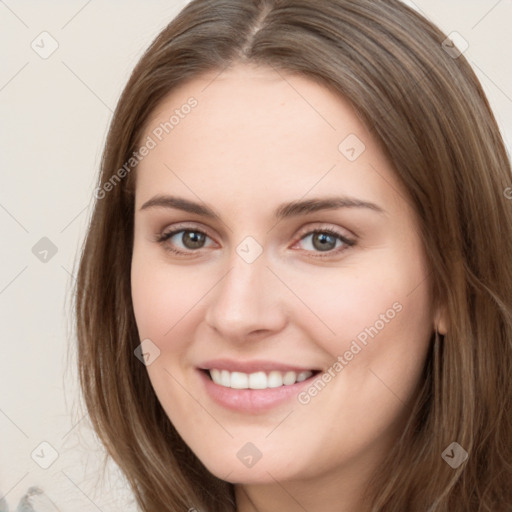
(257, 380)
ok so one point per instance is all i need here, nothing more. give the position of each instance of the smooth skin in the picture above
(258, 138)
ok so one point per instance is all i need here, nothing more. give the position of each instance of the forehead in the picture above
(258, 131)
(254, 98)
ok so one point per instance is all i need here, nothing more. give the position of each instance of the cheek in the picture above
(342, 302)
(376, 316)
(166, 299)
(153, 300)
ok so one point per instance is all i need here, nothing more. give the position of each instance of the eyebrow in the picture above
(286, 210)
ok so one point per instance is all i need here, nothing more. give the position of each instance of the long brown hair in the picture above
(424, 104)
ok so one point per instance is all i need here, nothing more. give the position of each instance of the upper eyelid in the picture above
(174, 229)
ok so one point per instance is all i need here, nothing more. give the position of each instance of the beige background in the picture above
(54, 116)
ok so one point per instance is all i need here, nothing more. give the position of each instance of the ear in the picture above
(441, 320)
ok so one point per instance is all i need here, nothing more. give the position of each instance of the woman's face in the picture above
(243, 174)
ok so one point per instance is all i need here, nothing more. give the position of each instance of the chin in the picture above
(232, 469)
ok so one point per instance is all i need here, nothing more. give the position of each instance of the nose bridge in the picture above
(245, 299)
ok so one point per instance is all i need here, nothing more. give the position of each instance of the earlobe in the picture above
(440, 321)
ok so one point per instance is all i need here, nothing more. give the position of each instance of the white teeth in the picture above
(303, 376)
(257, 380)
(225, 379)
(215, 375)
(274, 380)
(289, 378)
(239, 380)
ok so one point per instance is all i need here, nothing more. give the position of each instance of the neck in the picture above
(339, 490)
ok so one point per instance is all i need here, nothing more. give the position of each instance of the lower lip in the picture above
(251, 400)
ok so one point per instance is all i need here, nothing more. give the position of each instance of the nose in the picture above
(248, 301)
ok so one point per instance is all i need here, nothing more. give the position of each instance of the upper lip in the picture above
(252, 366)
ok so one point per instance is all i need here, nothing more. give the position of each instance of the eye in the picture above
(325, 240)
(191, 240)
(321, 240)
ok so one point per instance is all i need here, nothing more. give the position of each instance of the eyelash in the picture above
(165, 236)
